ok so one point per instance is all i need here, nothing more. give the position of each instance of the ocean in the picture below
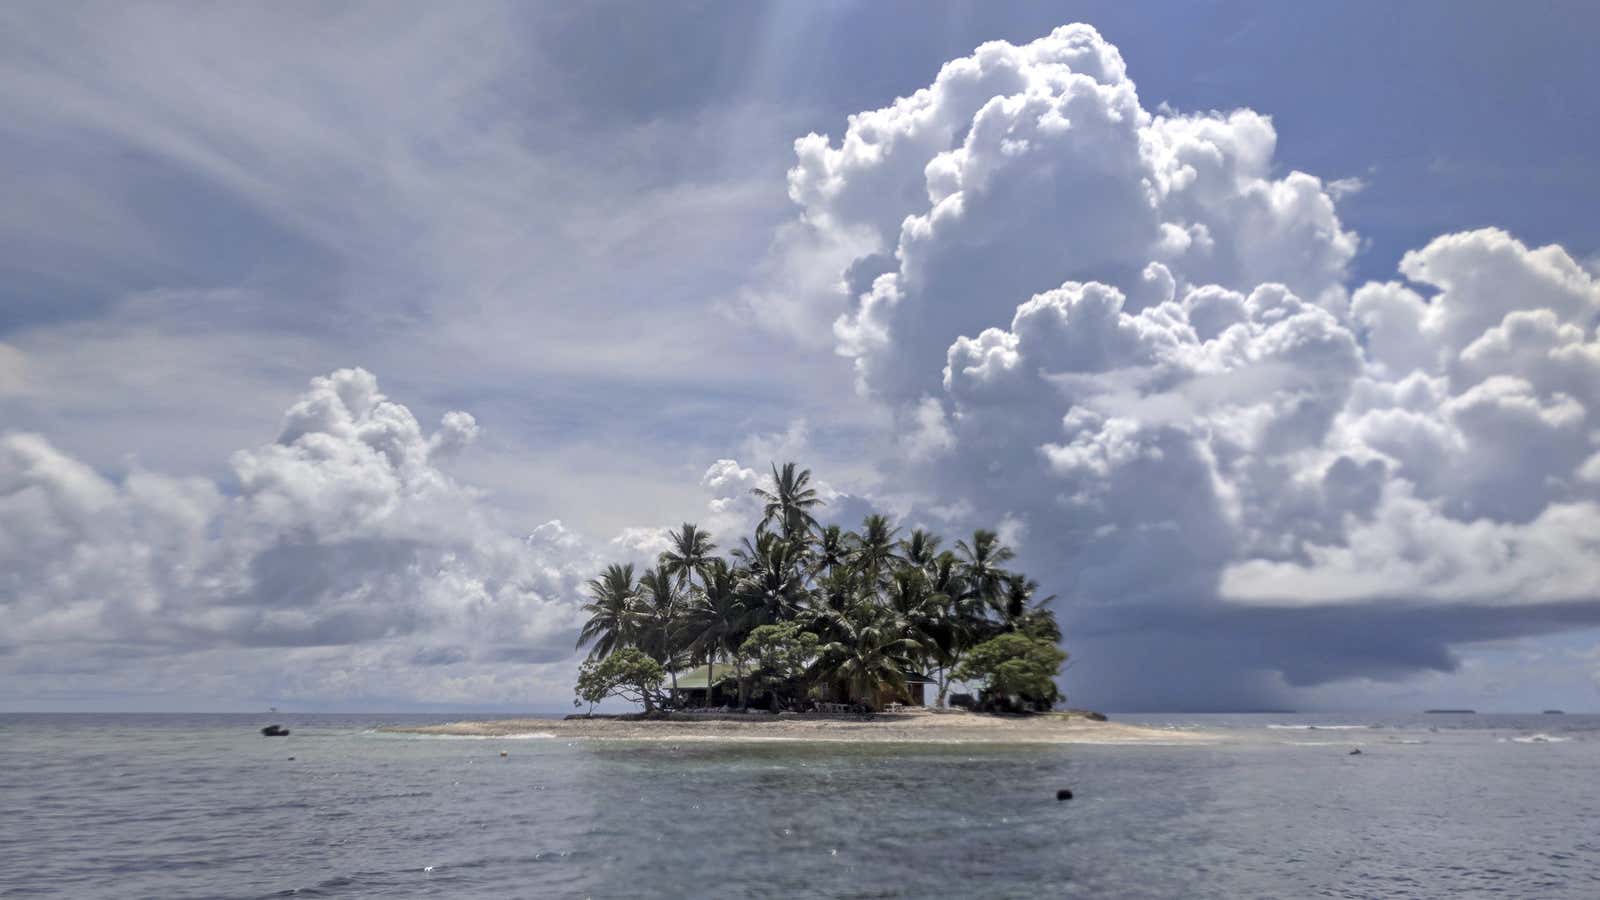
(178, 806)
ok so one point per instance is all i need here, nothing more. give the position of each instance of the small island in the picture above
(803, 617)
(808, 631)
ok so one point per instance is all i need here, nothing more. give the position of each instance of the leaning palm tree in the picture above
(981, 565)
(716, 621)
(611, 612)
(687, 555)
(790, 501)
(658, 608)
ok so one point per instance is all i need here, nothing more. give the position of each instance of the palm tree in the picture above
(772, 585)
(944, 577)
(981, 561)
(688, 555)
(919, 611)
(1026, 614)
(716, 621)
(875, 551)
(836, 592)
(790, 501)
(921, 549)
(963, 621)
(831, 550)
(870, 655)
(610, 610)
(658, 613)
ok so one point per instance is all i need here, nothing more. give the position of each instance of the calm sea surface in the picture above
(202, 806)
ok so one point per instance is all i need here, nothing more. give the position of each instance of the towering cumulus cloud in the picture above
(339, 563)
(1125, 333)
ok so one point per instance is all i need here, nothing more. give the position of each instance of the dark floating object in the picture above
(274, 731)
(1063, 794)
(1355, 751)
(291, 759)
(1554, 712)
(1450, 712)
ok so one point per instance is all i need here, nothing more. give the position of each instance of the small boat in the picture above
(274, 731)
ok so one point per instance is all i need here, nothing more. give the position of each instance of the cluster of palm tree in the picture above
(881, 605)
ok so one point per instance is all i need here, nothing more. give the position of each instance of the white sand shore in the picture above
(912, 726)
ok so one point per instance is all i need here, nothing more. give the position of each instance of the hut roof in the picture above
(696, 679)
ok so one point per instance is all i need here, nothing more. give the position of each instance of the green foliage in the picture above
(657, 628)
(716, 618)
(689, 556)
(1015, 667)
(776, 656)
(799, 606)
(627, 673)
(790, 501)
(870, 656)
(610, 610)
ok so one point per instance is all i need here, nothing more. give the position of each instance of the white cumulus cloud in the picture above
(343, 533)
(1128, 335)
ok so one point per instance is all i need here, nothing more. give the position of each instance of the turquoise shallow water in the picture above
(202, 806)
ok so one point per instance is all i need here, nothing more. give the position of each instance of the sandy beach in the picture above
(911, 726)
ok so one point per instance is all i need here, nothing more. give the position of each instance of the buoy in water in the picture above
(1063, 794)
(503, 753)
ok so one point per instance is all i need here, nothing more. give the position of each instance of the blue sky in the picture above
(578, 224)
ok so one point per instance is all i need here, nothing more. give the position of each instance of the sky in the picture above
(339, 344)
